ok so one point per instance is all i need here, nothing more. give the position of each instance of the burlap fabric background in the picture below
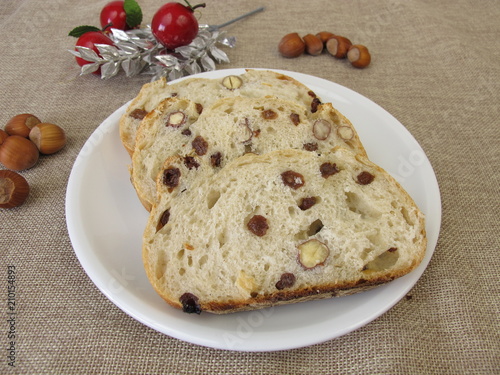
(435, 68)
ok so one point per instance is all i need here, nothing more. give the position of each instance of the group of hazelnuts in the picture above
(292, 45)
(22, 140)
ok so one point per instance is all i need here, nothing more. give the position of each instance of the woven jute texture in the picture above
(435, 67)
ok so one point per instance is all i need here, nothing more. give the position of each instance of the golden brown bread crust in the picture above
(284, 297)
(287, 297)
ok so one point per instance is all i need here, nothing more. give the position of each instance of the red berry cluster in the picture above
(173, 25)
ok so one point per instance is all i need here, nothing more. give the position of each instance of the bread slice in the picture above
(205, 91)
(229, 129)
(278, 228)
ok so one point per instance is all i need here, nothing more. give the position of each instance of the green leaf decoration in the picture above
(80, 30)
(133, 12)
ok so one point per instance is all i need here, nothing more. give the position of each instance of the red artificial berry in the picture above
(113, 15)
(89, 39)
(174, 24)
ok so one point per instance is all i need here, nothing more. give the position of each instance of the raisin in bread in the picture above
(282, 227)
(229, 129)
(205, 91)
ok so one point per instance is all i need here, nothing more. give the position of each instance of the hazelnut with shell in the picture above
(291, 45)
(338, 46)
(14, 189)
(314, 45)
(18, 153)
(359, 56)
(48, 138)
(21, 124)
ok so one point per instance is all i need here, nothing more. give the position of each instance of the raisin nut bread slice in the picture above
(230, 128)
(205, 91)
(278, 228)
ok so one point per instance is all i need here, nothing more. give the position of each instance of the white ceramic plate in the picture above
(105, 223)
